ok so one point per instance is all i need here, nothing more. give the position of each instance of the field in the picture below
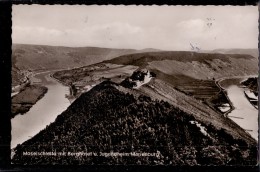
(22, 102)
(84, 78)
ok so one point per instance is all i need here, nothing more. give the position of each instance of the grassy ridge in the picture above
(183, 56)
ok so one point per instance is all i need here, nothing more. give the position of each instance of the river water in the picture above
(244, 114)
(42, 113)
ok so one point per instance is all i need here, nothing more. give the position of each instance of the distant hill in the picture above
(134, 129)
(43, 57)
(149, 50)
(252, 52)
(192, 64)
(52, 57)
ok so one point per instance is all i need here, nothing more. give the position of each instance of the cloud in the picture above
(173, 28)
(37, 30)
(32, 34)
(35, 35)
(117, 28)
(108, 34)
(192, 25)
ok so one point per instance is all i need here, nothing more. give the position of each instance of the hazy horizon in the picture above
(169, 28)
(128, 48)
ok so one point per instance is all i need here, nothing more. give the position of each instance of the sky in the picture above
(137, 27)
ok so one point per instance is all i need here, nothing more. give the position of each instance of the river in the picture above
(244, 114)
(42, 113)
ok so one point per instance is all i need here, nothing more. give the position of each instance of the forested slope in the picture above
(106, 120)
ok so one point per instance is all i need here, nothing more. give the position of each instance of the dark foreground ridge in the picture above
(108, 126)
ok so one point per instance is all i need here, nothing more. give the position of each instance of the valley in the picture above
(192, 78)
(36, 58)
(177, 101)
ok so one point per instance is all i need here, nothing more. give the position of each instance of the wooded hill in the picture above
(106, 120)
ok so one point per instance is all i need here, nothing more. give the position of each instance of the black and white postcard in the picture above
(134, 85)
